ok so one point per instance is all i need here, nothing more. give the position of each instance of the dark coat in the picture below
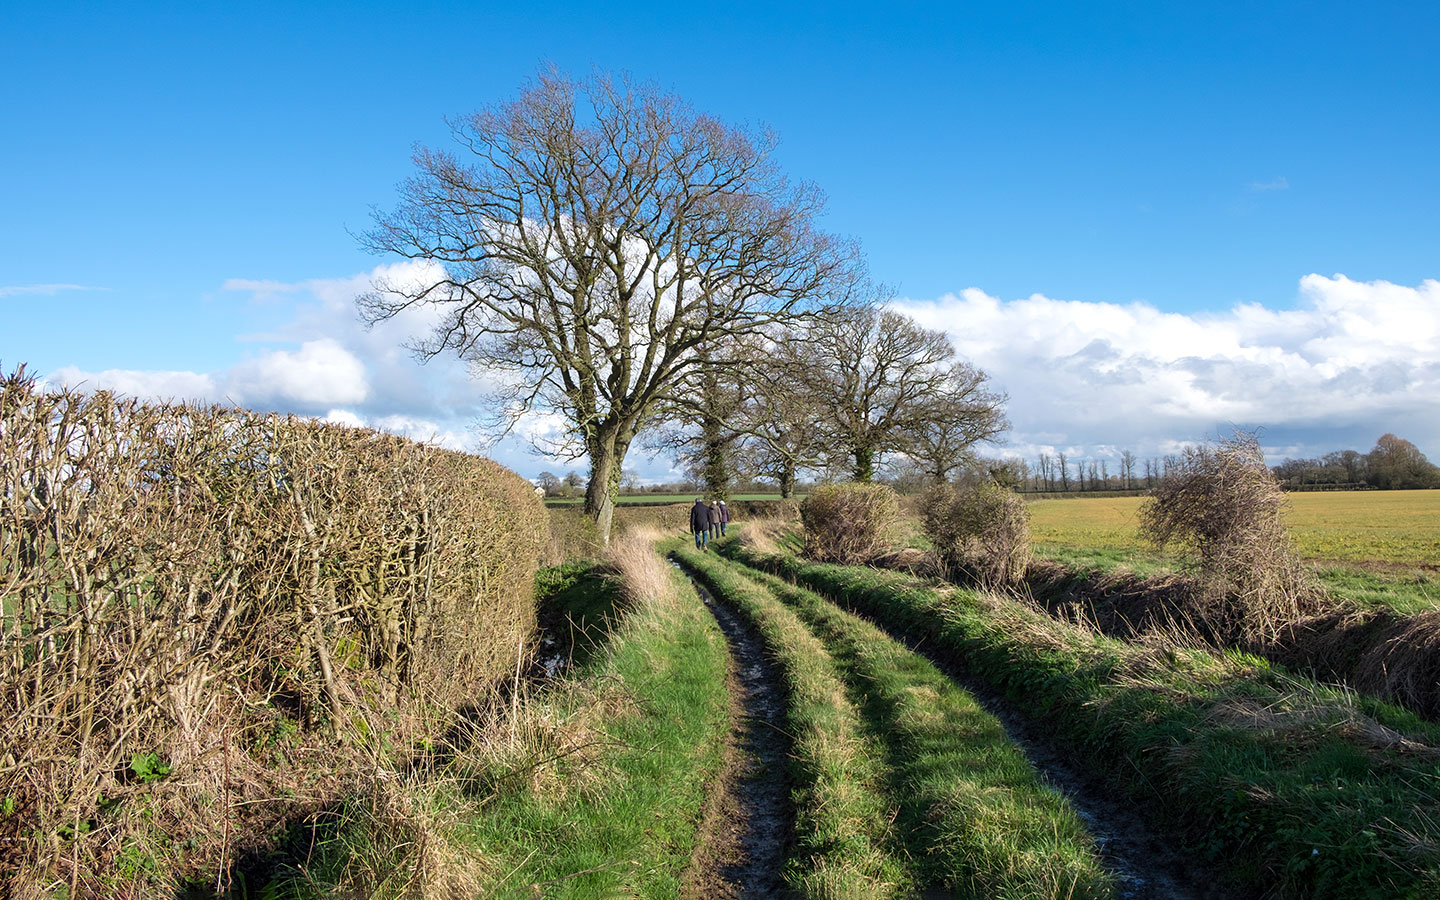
(724, 514)
(699, 517)
(714, 514)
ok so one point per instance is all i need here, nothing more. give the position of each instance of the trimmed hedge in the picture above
(181, 581)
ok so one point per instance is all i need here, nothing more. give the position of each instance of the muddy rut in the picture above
(749, 821)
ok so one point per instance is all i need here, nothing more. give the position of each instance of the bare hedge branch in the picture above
(171, 577)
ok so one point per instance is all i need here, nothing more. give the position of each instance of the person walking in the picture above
(700, 524)
(714, 511)
(724, 517)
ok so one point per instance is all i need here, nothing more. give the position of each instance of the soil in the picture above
(748, 823)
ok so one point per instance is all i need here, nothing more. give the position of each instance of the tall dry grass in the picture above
(187, 594)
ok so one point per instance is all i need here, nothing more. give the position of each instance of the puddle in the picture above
(760, 785)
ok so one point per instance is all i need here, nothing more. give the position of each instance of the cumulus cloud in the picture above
(325, 362)
(1350, 361)
(319, 375)
(153, 385)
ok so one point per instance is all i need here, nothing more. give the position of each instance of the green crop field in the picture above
(1372, 547)
(1399, 527)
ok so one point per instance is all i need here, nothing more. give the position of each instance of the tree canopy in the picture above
(591, 235)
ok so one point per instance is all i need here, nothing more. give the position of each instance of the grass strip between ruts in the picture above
(976, 817)
(1289, 786)
(841, 814)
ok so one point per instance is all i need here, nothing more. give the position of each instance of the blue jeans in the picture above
(701, 539)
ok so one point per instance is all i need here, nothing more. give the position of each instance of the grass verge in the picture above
(973, 815)
(590, 787)
(1288, 786)
(841, 815)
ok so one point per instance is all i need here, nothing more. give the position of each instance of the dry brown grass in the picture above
(198, 605)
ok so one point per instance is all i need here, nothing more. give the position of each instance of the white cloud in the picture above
(194, 386)
(42, 290)
(1351, 361)
(1279, 184)
(320, 374)
(325, 362)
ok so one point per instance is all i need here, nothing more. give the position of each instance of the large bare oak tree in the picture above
(593, 234)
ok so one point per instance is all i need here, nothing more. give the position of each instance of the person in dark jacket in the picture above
(724, 517)
(714, 510)
(700, 524)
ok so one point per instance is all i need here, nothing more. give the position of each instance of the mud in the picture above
(749, 822)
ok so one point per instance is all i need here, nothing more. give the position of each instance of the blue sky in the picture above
(179, 184)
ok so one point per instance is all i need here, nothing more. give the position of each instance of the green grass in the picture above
(1407, 591)
(1284, 784)
(841, 816)
(597, 788)
(1369, 547)
(972, 813)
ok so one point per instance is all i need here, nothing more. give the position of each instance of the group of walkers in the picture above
(708, 520)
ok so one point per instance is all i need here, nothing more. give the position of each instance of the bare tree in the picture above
(592, 234)
(1064, 467)
(871, 375)
(780, 425)
(962, 413)
(703, 413)
(1127, 469)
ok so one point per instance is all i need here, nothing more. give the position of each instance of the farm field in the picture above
(1369, 546)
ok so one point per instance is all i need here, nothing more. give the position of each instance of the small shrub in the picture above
(848, 523)
(1223, 505)
(982, 528)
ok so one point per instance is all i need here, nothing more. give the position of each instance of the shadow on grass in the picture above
(578, 605)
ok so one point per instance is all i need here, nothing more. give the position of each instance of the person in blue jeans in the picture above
(724, 517)
(700, 524)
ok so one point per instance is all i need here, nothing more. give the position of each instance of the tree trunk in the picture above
(716, 472)
(864, 464)
(607, 464)
(607, 456)
(787, 482)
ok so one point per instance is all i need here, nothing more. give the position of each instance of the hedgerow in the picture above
(204, 606)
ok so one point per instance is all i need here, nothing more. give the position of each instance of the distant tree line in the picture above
(1393, 464)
